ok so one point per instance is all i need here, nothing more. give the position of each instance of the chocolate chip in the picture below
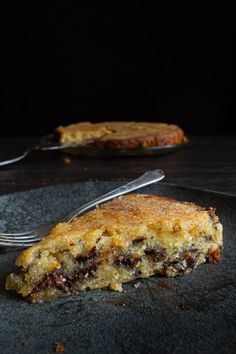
(137, 240)
(88, 257)
(191, 257)
(137, 273)
(208, 238)
(127, 261)
(156, 255)
(85, 274)
(191, 262)
(56, 279)
(177, 265)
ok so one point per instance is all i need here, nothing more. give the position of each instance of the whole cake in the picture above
(134, 236)
(121, 134)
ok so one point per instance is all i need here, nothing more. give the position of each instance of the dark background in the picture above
(65, 64)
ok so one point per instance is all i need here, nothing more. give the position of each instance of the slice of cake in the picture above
(80, 133)
(134, 236)
(121, 134)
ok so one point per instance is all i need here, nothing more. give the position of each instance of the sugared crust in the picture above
(126, 218)
(121, 134)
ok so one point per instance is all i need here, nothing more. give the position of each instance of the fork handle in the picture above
(28, 150)
(15, 159)
(147, 178)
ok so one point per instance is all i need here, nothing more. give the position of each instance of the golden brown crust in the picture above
(121, 134)
(124, 217)
(143, 135)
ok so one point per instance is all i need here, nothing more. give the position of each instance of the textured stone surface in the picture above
(191, 314)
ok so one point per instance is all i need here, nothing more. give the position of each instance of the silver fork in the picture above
(28, 238)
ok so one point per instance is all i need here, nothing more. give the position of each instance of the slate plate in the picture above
(191, 314)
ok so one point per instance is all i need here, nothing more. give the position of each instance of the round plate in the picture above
(194, 313)
(48, 142)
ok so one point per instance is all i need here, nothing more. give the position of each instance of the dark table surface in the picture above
(207, 162)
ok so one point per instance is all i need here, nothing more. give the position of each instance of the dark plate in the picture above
(191, 314)
(91, 150)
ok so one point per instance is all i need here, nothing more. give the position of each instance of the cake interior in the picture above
(106, 265)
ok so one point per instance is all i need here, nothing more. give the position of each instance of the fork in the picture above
(28, 238)
(44, 145)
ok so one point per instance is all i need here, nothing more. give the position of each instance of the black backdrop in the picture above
(65, 64)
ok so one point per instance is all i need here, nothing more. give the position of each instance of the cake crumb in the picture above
(165, 285)
(32, 333)
(24, 343)
(184, 306)
(67, 160)
(59, 347)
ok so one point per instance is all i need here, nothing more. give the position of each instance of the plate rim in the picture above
(59, 146)
(122, 180)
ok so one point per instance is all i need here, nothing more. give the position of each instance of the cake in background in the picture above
(121, 134)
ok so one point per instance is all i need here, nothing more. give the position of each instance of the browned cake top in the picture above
(124, 218)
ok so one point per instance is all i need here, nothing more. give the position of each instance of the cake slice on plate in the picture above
(134, 236)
